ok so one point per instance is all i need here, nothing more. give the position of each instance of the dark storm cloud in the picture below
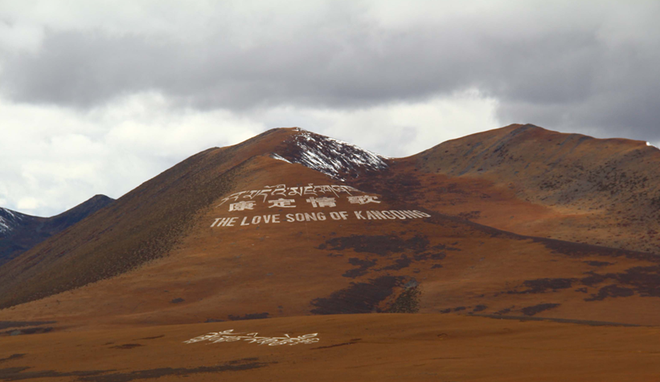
(81, 70)
(582, 67)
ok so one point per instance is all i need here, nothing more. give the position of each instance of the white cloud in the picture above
(55, 158)
(28, 203)
(20, 37)
(395, 129)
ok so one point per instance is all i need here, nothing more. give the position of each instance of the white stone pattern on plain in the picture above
(254, 338)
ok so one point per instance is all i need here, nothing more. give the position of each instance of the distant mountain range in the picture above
(20, 232)
(517, 221)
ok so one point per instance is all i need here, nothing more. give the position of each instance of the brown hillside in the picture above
(142, 225)
(532, 181)
(225, 264)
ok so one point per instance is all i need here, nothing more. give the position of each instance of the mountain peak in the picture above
(20, 232)
(8, 220)
(337, 159)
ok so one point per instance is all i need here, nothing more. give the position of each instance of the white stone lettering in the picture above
(421, 214)
(263, 193)
(309, 190)
(242, 206)
(305, 217)
(224, 222)
(325, 190)
(374, 215)
(363, 199)
(233, 196)
(316, 202)
(340, 215)
(282, 191)
(410, 214)
(279, 190)
(322, 202)
(258, 219)
(282, 203)
(388, 215)
(293, 191)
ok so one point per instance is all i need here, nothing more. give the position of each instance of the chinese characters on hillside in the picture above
(323, 200)
(282, 196)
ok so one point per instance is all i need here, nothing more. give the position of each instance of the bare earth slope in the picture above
(143, 225)
(528, 180)
(365, 347)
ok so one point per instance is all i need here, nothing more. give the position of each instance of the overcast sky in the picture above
(97, 97)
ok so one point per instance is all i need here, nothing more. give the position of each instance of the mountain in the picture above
(339, 160)
(146, 223)
(522, 247)
(20, 232)
(292, 223)
(566, 186)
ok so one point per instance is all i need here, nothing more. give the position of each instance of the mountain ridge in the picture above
(245, 231)
(20, 232)
(258, 243)
(603, 183)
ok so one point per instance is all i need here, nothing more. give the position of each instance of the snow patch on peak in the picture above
(8, 220)
(333, 157)
(650, 145)
(279, 157)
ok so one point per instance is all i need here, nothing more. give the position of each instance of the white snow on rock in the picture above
(7, 220)
(4, 227)
(332, 157)
(278, 157)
